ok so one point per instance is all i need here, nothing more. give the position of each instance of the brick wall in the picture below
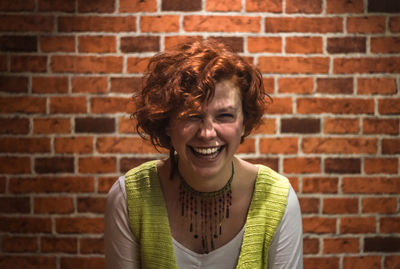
(67, 71)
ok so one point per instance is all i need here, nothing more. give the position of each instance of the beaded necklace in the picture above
(205, 210)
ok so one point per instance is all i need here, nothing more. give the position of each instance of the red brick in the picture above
(268, 126)
(73, 145)
(224, 5)
(22, 105)
(97, 44)
(389, 106)
(340, 206)
(56, 5)
(274, 6)
(97, 24)
(344, 6)
(287, 145)
(93, 6)
(137, 6)
(111, 105)
(91, 205)
(392, 262)
(86, 64)
(82, 262)
(91, 245)
(89, 84)
(282, 105)
(68, 105)
(11, 43)
(382, 244)
(15, 165)
(321, 262)
(2, 184)
(28, 262)
(269, 85)
(125, 84)
(51, 126)
(140, 43)
(105, 183)
(295, 85)
(293, 65)
(19, 244)
(234, 43)
(57, 43)
(335, 105)
(14, 125)
(309, 205)
(80, 225)
(53, 205)
(14, 205)
(28, 63)
(264, 44)
(59, 245)
(341, 245)
(26, 23)
(341, 126)
(227, 24)
(13, 84)
(357, 225)
(310, 245)
(301, 165)
(126, 125)
(137, 64)
(381, 165)
(346, 45)
(343, 165)
(89, 165)
(248, 146)
(391, 146)
(381, 126)
(317, 225)
(24, 145)
(394, 24)
(390, 225)
(320, 185)
(272, 163)
(301, 6)
(366, 65)
(385, 45)
(376, 86)
(17, 5)
(366, 24)
(304, 25)
(51, 184)
(49, 84)
(123, 145)
(340, 145)
(371, 185)
(365, 262)
(180, 5)
(303, 45)
(379, 205)
(25, 225)
(159, 24)
(94, 125)
(45, 165)
(171, 42)
(335, 85)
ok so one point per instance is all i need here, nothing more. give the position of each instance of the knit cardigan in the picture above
(150, 226)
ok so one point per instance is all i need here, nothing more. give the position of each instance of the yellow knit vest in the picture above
(149, 220)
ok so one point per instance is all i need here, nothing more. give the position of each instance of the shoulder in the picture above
(144, 170)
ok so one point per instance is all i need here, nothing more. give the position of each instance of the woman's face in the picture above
(206, 141)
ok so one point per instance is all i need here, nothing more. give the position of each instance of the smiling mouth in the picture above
(210, 152)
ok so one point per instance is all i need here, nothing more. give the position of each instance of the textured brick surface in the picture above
(68, 69)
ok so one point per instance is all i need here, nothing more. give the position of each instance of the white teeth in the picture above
(206, 151)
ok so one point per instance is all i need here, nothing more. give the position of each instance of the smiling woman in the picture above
(202, 207)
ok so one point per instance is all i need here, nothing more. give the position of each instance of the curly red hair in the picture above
(182, 80)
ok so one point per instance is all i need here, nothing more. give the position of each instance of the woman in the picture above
(203, 207)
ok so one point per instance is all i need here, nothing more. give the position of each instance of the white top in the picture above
(122, 248)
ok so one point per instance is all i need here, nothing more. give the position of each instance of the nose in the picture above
(207, 129)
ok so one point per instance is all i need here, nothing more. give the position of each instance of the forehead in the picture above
(226, 92)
